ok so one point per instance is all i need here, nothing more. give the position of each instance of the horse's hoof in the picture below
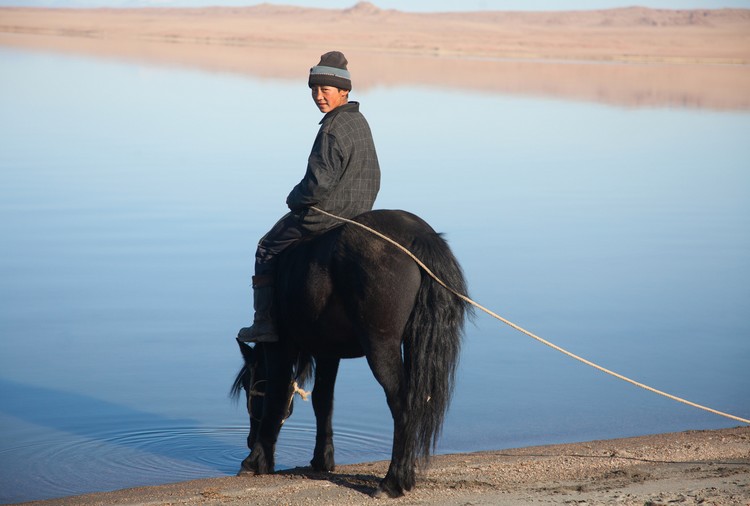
(246, 468)
(255, 465)
(386, 493)
(322, 469)
(324, 464)
(379, 494)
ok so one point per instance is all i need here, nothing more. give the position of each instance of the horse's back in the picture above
(347, 286)
(393, 223)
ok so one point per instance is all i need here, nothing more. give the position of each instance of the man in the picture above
(342, 177)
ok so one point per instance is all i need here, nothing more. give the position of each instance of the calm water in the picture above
(131, 199)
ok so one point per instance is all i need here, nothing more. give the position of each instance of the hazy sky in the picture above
(404, 5)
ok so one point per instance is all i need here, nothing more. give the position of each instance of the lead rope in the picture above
(524, 331)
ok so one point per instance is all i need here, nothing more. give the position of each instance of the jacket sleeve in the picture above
(325, 167)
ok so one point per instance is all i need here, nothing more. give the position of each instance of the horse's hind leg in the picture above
(388, 368)
(326, 370)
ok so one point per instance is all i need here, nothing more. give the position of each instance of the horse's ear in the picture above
(248, 352)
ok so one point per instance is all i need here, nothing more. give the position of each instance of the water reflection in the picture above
(699, 86)
(131, 198)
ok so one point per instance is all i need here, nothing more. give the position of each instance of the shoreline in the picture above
(693, 467)
(632, 57)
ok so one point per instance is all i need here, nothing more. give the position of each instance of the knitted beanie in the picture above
(331, 71)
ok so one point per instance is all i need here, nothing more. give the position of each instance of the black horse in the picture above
(347, 293)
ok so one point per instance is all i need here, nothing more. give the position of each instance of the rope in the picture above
(526, 332)
(299, 391)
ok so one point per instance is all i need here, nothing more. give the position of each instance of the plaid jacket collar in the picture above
(347, 107)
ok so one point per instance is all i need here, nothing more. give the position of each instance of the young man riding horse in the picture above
(345, 293)
(342, 177)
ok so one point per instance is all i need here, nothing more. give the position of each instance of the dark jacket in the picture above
(343, 174)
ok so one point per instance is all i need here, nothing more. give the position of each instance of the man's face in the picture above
(327, 98)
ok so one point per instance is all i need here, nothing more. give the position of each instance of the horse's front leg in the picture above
(326, 370)
(275, 406)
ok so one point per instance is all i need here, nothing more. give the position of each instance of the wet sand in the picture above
(687, 468)
(631, 57)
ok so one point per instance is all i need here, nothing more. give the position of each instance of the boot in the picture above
(264, 328)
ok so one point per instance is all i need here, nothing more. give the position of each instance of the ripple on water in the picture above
(352, 444)
(110, 460)
(125, 458)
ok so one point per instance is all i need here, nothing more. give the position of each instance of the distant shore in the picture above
(690, 468)
(629, 57)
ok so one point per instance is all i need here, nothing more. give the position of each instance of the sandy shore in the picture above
(631, 57)
(687, 468)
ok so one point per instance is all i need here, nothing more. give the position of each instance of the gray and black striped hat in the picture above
(331, 71)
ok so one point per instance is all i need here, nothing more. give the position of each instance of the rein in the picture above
(524, 331)
(296, 390)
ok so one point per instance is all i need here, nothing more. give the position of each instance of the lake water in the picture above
(132, 197)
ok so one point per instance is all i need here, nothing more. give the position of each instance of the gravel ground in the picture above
(686, 468)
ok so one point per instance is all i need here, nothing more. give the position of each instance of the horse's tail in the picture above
(432, 342)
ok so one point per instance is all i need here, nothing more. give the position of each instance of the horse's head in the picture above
(252, 379)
